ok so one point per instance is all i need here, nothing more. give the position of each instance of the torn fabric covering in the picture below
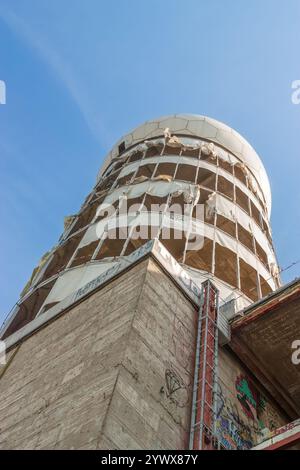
(180, 223)
(181, 160)
(223, 205)
(69, 281)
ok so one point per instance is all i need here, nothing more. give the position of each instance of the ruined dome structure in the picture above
(175, 159)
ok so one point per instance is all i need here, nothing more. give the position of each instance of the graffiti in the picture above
(175, 388)
(172, 381)
(230, 435)
(233, 432)
(245, 415)
(286, 428)
(255, 406)
(245, 419)
(251, 400)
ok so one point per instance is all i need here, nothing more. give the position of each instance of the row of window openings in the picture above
(221, 261)
(233, 229)
(235, 170)
(188, 173)
(70, 256)
(88, 217)
(227, 267)
(201, 176)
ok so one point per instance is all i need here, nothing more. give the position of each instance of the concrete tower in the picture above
(181, 161)
(190, 159)
(199, 189)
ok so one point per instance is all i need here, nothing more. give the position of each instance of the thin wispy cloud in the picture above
(63, 72)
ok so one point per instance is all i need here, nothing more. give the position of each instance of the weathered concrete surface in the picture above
(116, 372)
(113, 372)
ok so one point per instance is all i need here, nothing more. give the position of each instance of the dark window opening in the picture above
(84, 254)
(194, 153)
(225, 165)
(226, 265)
(240, 173)
(242, 200)
(111, 247)
(145, 170)
(172, 150)
(225, 187)
(135, 157)
(186, 173)
(206, 178)
(226, 225)
(152, 152)
(155, 203)
(245, 237)
(255, 214)
(122, 147)
(166, 169)
(261, 254)
(124, 180)
(265, 287)
(174, 241)
(29, 309)
(139, 236)
(248, 277)
(202, 258)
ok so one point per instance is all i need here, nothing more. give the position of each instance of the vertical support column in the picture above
(202, 435)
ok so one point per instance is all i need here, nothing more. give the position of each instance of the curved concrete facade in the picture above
(190, 161)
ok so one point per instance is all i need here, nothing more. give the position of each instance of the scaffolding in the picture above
(203, 419)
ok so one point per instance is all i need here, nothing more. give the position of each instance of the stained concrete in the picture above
(116, 372)
(101, 375)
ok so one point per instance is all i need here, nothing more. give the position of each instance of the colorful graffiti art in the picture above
(252, 401)
(244, 418)
(232, 430)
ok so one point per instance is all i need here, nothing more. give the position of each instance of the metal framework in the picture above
(203, 420)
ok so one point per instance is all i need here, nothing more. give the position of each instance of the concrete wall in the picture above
(116, 372)
(113, 372)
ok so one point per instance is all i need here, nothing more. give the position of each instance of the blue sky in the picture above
(79, 74)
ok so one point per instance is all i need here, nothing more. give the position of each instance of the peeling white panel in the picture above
(225, 207)
(225, 240)
(65, 285)
(154, 188)
(94, 270)
(71, 280)
(89, 236)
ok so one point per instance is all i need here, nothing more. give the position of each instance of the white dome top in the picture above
(207, 128)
